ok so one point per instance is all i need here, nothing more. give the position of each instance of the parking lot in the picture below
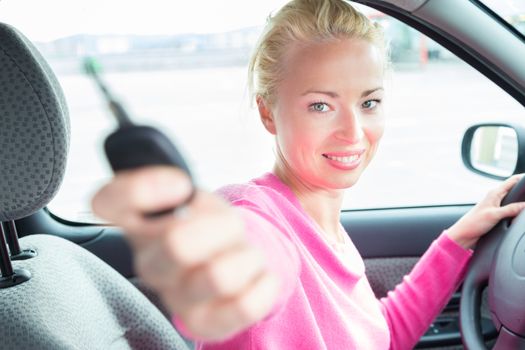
(207, 113)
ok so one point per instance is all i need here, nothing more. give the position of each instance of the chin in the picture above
(342, 182)
(349, 183)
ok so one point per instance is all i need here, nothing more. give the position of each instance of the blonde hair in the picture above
(305, 21)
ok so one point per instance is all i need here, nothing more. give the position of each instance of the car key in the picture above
(132, 146)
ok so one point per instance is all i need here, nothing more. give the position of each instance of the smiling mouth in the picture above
(345, 160)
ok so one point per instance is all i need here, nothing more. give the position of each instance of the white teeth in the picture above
(344, 159)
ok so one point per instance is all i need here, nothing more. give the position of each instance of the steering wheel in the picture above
(499, 262)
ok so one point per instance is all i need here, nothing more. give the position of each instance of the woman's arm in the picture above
(200, 262)
(416, 302)
(412, 306)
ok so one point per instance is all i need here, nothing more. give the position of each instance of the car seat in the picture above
(54, 294)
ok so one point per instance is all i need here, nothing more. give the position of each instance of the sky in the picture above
(44, 20)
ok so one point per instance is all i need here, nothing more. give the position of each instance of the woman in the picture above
(276, 270)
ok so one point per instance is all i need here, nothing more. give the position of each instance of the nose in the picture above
(349, 127)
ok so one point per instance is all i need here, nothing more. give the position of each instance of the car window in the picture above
(183, 70)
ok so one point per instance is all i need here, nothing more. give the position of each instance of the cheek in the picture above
(374, 130)
(298, 141)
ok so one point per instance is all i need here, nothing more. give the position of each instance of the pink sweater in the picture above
(326, 301)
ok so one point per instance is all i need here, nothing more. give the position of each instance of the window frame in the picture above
(463, 52)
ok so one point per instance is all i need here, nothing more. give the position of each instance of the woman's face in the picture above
(328, 112)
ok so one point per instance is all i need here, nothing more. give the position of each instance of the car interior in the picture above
(68, 285)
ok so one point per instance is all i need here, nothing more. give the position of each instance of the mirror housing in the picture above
(495, 150)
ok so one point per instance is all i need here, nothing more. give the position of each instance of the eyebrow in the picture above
(334, 94)
(371, 91)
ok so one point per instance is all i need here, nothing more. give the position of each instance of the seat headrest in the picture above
(34, 128)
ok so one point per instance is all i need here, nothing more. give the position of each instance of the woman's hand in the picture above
(485, 215)
(198, 261)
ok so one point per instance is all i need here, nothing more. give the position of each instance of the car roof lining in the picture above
(406, 5)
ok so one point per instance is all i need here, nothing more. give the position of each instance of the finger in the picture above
(202, 235)
(509, 183)
(202, 204)
(225, 276)
(132, 193)
(229, 316)
(206, 202)
(141, 232)
(510, 210)
(153, 266)
(496, 195)
(185, 242)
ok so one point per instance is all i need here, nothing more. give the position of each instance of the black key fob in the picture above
(134, 146)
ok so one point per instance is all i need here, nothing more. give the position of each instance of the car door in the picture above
(416, 188)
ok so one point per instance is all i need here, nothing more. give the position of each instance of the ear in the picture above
(266, 115)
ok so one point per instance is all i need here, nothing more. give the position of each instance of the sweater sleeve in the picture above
(266, 233)
(412, 306)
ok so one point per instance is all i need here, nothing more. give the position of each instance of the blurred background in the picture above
(182, 67)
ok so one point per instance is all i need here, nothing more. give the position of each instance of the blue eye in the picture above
(319, 107)
(370, 104)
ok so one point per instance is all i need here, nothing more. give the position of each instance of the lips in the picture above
(345, 160)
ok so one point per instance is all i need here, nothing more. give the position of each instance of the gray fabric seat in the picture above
(76, 301)
(73, 300)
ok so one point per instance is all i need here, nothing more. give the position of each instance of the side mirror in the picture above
(494, 150)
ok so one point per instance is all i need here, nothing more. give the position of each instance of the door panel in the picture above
(398, 232)
(385, 273)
